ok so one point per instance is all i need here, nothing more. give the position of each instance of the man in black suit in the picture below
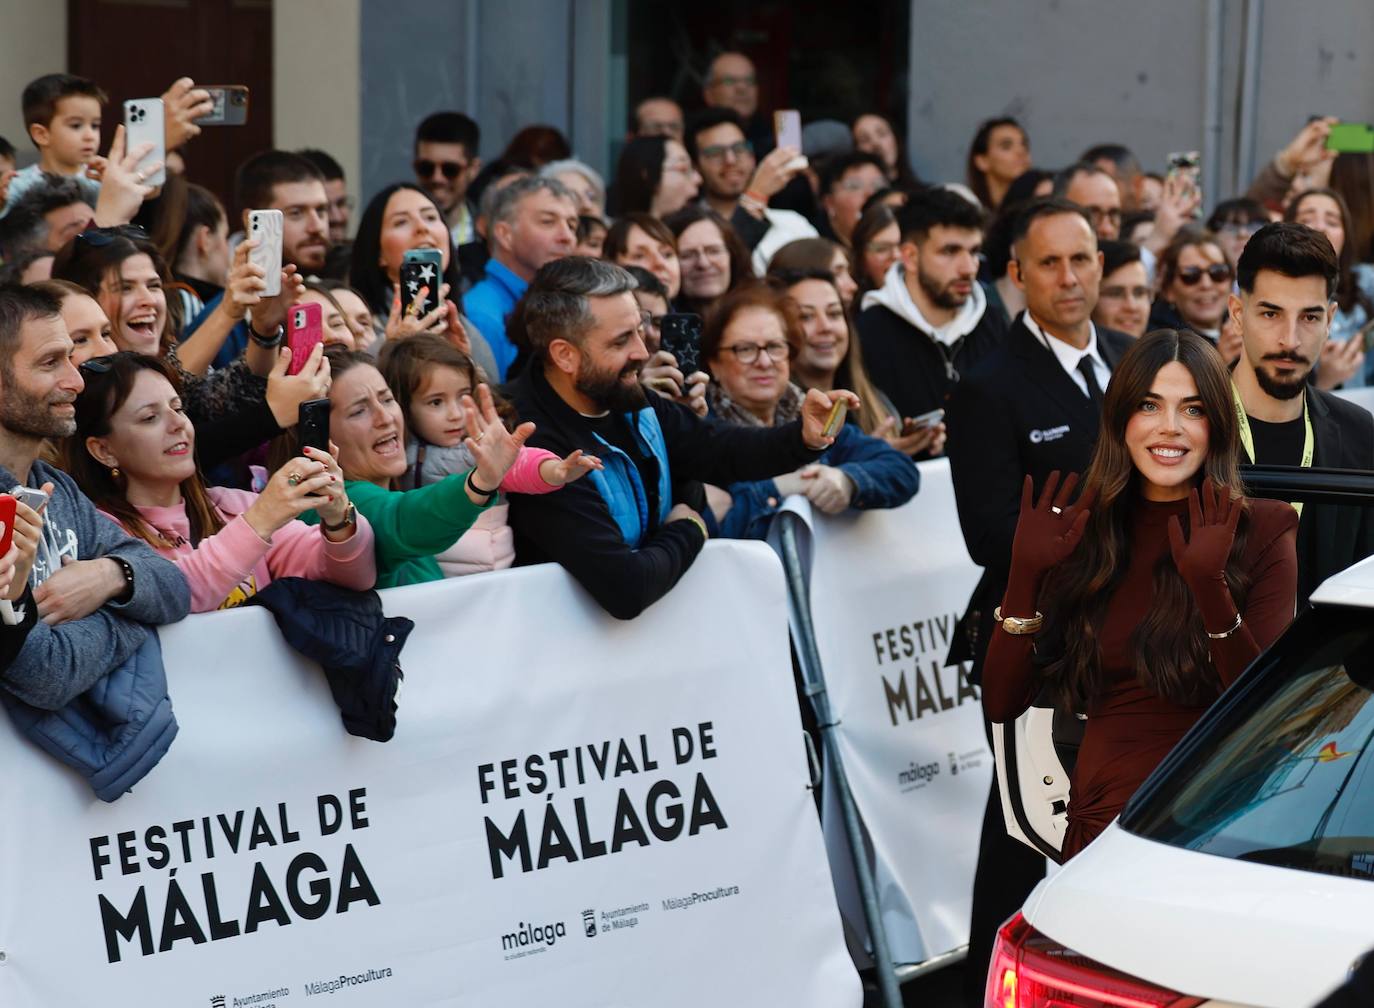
(1030, 406)
(1287, 276)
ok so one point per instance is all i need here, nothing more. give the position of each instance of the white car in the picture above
(1242, 871)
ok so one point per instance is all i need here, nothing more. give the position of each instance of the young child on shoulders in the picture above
(429, 378)
(62, 114)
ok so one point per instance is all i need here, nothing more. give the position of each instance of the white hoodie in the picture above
(894, 296)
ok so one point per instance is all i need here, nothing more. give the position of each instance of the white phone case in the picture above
(144, 123)
(265, 226)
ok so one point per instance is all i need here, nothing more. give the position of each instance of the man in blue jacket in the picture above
(620, 532)
(96, 589)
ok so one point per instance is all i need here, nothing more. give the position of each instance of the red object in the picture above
(1030, 970)
(304, 329)
(7, 505)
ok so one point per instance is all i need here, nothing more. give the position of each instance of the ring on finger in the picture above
(1056, 510)
(293, 478)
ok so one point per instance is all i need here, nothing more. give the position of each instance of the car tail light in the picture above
(1030, 970)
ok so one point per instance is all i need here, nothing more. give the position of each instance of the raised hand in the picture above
(494, 448)
(1212, 531)
(122, 189)
(302, 484)
(815, 410)
(560, 472)
(1050, 529)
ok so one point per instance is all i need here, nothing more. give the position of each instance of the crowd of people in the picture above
(151, 412)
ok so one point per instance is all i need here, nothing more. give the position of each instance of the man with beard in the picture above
(930, 321)
(278, 180)
(738, 187)
(1031, 406)
(446, 163)
(620, 532)
(1287, 276)
(96, 590)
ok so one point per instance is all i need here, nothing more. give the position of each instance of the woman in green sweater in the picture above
(411, 526)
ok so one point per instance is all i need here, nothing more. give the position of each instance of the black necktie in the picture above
(1085, 368)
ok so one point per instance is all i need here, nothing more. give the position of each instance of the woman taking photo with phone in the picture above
(133, 454)
(1145, 598)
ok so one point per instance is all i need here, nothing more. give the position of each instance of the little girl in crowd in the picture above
(429, 377)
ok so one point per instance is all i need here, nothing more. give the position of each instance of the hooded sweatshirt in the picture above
(59, 663)
(914, 362)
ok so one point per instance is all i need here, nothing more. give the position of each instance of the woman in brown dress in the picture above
(1158, 586)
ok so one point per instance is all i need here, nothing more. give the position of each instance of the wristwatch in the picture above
(350, 518)
(266, 342)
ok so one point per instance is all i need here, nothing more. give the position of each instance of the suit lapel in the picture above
(1044, 372)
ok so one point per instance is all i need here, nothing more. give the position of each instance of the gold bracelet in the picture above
(1018, 624)
(1228, 633)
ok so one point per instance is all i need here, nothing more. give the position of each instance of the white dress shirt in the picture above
(1068, 356)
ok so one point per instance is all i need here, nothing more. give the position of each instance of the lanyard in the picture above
(1248, 440)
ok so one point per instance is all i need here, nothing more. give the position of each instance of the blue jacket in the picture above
(116, 731)
(487, 305)
(883, 478)
(234, 344)
(620, 486)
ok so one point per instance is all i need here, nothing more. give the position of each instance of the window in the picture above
(1281, 772)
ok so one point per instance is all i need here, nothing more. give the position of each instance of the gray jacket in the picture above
(59, 663)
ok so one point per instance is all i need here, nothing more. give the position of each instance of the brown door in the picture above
(136, 49)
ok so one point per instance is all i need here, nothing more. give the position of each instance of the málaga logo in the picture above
(529, 934)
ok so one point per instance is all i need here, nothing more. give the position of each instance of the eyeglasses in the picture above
(1217, 272)
(744, 79)
(747, 353)
(99, 237)
(717, 152)
(424, 168)
(1118, 292)
(1096, 214)
(1123, 291)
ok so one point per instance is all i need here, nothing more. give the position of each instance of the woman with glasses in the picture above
(875, 242)
(714, 260)
(750, 343)
(1123, 299)
(1325, 210)
(1194, 281)
(134, 455)
(655, 176)
(641, 239)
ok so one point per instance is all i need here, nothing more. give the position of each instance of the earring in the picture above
(114, 472)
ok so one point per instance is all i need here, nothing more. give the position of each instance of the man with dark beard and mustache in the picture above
(930, 321)
(620, 532)
(95, 589)
(1287, 276)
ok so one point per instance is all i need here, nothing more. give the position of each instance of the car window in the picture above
(1282, 771)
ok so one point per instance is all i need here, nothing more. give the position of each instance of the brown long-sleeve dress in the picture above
(1131, 728)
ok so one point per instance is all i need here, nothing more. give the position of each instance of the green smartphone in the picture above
(1351, 138)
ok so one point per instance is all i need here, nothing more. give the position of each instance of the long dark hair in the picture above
(741, 268)
(905, 176)
(977, 180)
(1169, 642)
(1348, 292)
(638, 173)
(109, 381)
(365, 271)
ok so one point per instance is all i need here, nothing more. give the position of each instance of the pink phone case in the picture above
(304, 328)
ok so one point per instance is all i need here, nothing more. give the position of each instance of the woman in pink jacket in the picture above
(133, 454)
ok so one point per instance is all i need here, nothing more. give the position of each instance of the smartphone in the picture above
(265, 226)
(1187, 164)
(787, 128)
(421, 268)
(144, 123)
(835, 420)
(924, 420)
(1351, 138)
(304, 329)
(312, 425)
(680, 335)
(7, 506)
(35, 499)
(231, 105)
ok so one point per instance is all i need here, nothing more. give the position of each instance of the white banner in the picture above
(887, 588)
(574, 811)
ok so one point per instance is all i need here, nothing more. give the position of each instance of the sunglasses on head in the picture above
(101, 236)
(95, 365)
(424, 168)
(1190, 275)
